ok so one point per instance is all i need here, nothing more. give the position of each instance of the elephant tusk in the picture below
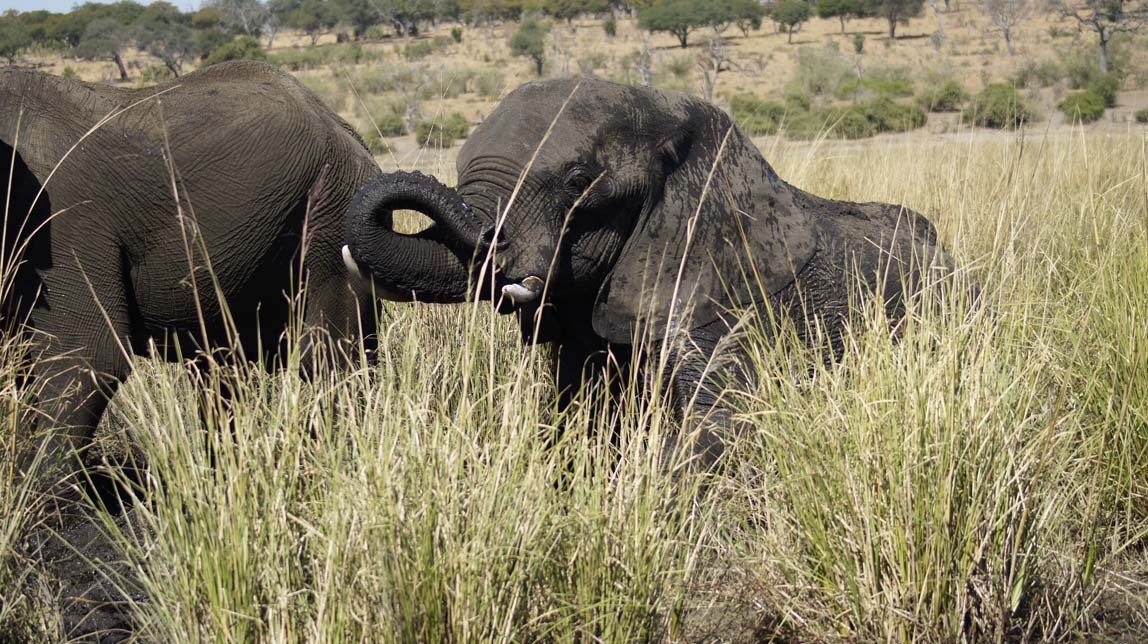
(526, 291)
(352, 265)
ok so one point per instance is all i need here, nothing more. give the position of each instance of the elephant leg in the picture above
(81, 357)
(704, 365)
(336, 317)
(72, 400)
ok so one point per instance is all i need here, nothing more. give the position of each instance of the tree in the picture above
(677, 17)
(841, 9)
(791, 14)
(490, 10)
(162, 32)
(568, 10)
(746, 14)
(895, 11)
(359, 14)
(105, 38)
(939, 40)
(530, 41)
(404, 15)
(1007, 14)
(13, 38)
(1105, 17)
(242, 16)
(70, 27)
(312, 17)
(712, 62)
(242, 48)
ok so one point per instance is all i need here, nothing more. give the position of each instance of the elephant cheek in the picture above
(592, 255)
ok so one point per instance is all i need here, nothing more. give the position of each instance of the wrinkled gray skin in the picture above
(670, 208)
(263, 168)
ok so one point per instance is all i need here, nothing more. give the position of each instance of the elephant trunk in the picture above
(434, 265)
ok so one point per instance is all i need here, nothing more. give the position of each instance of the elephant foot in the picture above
(96, 587)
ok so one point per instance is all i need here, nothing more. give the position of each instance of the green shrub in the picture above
(418, 49)
(456, 34)
(821, 70)
(610, 26)
(243, 47)
(875, 86)
(851, 122)
(389, 124)
(998, 106)
(888, 115)
(442, 133)
(797, 100)
(1083, 107)
(755, 116)
(1106, 86)
(947, 96)
(488, 83)
(680, 66)
(889, 81)
(1042, 74)
(323, 56)
(1142, 115)
(856, 121)
(155, 74)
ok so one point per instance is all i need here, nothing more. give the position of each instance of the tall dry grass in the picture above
(985, 477)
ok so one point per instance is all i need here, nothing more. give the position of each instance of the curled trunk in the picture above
(431, 266)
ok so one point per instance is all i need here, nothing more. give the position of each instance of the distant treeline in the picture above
(224, 29)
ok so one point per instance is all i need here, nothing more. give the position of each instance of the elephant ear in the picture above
(724, 231)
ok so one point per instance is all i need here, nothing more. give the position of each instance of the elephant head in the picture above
(646, 206)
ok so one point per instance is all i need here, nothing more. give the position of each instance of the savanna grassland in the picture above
(983, 477)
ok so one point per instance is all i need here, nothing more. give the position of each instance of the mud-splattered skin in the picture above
(647, 216)
(262, 168)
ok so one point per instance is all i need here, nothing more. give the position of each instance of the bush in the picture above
(610, 26)
(1083, 107)
(442, 133)
(850, 123)
(680, 66)
(456, 34)
(418, 49)
(1043, 74)
(821, 70)
(488, 83)
(323, 56)
(998, 106)
(243, 47)
(888, 115)
(1106, 86)
(756, 117)
(389, 124)
(948, 96)
(1142, 115)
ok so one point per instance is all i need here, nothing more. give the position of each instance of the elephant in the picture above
(618, 221)
(172, 220)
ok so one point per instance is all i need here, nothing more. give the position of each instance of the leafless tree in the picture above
(410, 84)
(1105, 17)
(712, 61)
(935, 5)
(645, 64)
(1007, 14)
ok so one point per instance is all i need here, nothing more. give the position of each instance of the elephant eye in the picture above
(577, 180)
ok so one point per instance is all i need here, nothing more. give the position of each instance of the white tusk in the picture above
(352, 265)
(520, 294)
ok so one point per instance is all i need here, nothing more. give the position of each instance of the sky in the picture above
(64, 6)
